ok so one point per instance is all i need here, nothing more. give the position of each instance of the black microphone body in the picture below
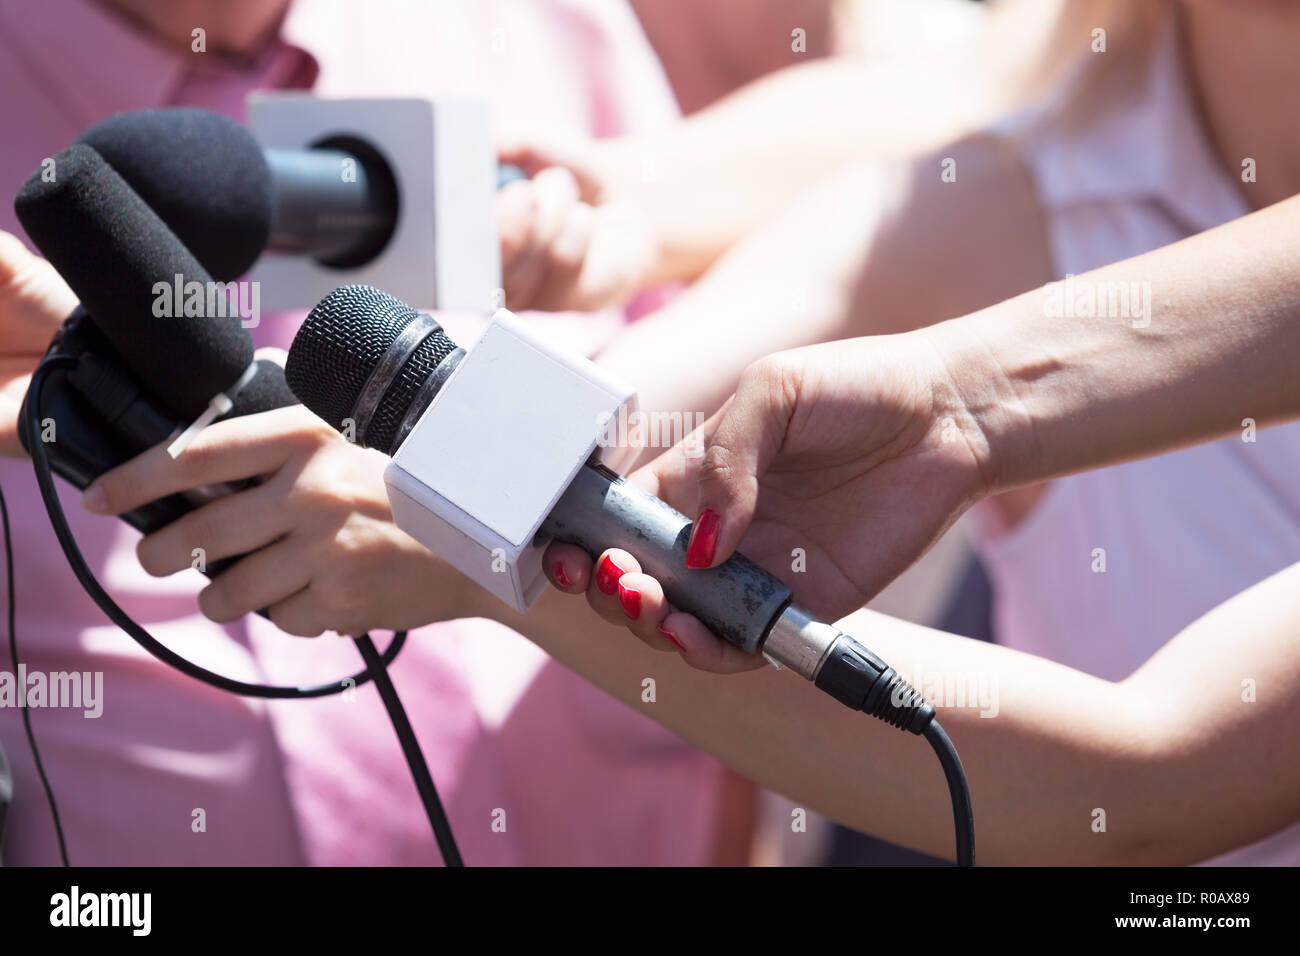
(127, 379)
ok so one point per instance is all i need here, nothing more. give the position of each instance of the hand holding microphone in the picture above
(572, 236)
(488, 465)
(856, 456)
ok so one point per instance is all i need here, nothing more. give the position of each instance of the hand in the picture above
(570, 237)
(322, 551)
(34, 300)
(860, 453)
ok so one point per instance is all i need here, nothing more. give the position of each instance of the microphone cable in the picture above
(958, 791)
(27, 717)
(376, 664)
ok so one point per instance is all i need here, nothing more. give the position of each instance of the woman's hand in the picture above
(571, 238)
(322, 550)
(838, 465)
(34, 299)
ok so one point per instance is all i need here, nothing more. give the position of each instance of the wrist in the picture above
(976, 401)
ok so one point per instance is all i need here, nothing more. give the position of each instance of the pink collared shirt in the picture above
(174, 772)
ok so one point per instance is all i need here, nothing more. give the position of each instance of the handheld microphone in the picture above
(115, 253)
(229, 200)
(365, 361)
(136, 379)
(395, 192)
(492, 457)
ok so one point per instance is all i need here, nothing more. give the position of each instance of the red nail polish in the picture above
(557, 572)
(630, 598)
(704, 539)
(607, 575)
(670, 637)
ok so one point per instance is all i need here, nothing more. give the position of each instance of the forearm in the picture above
(1044, 746)
(789, 283)
(1214, 341)
(709, 181)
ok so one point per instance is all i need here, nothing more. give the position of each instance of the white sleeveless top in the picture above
(1182, 532)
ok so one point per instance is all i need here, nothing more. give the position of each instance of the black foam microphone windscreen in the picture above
(117, 255)
(265, 391)
(341, 343)
(203, 173)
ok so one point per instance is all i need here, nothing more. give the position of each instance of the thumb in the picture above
(532, 152)
(750, 433)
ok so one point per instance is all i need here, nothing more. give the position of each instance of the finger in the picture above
(534, 151)
(34, 299)
(516, 216)
(644, 607)
(621, 253)
(299, 614)
(602, 592)
(557, 194)
(225, 451)
(673, 476)
(14, 256)
(261, 580)
(568, 567)
(700, 648)
(565, 261)
(747, 438)
(231, 525)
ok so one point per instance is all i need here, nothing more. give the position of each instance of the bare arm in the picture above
(1219, 344)
(1176, 744)
(877, 247)
(603, 218)
(1161, 753)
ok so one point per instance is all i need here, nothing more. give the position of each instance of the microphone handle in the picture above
(101, 418)
(737, 600)
(332, 204)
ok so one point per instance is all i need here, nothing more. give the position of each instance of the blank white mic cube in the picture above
(445, 252)
(492, 454)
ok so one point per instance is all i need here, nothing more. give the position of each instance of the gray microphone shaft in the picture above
(737, 600)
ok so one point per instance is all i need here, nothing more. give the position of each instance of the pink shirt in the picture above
(581, 778)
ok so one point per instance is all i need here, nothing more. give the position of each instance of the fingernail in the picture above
(704, 539)
(668, 634)
(630, 598)
(557, 572)
(95, 500)
(607, 575)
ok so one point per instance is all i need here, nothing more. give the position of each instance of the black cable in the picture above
(862, 681)
(958, 790)
(27, 717)
(376, 663)
(411, 750)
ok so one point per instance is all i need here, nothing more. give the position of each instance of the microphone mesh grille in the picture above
(340, 343)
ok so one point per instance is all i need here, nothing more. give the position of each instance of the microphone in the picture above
(116, 255)
(391, 192)
(229, 200)
(129, 379)
(492, 459)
